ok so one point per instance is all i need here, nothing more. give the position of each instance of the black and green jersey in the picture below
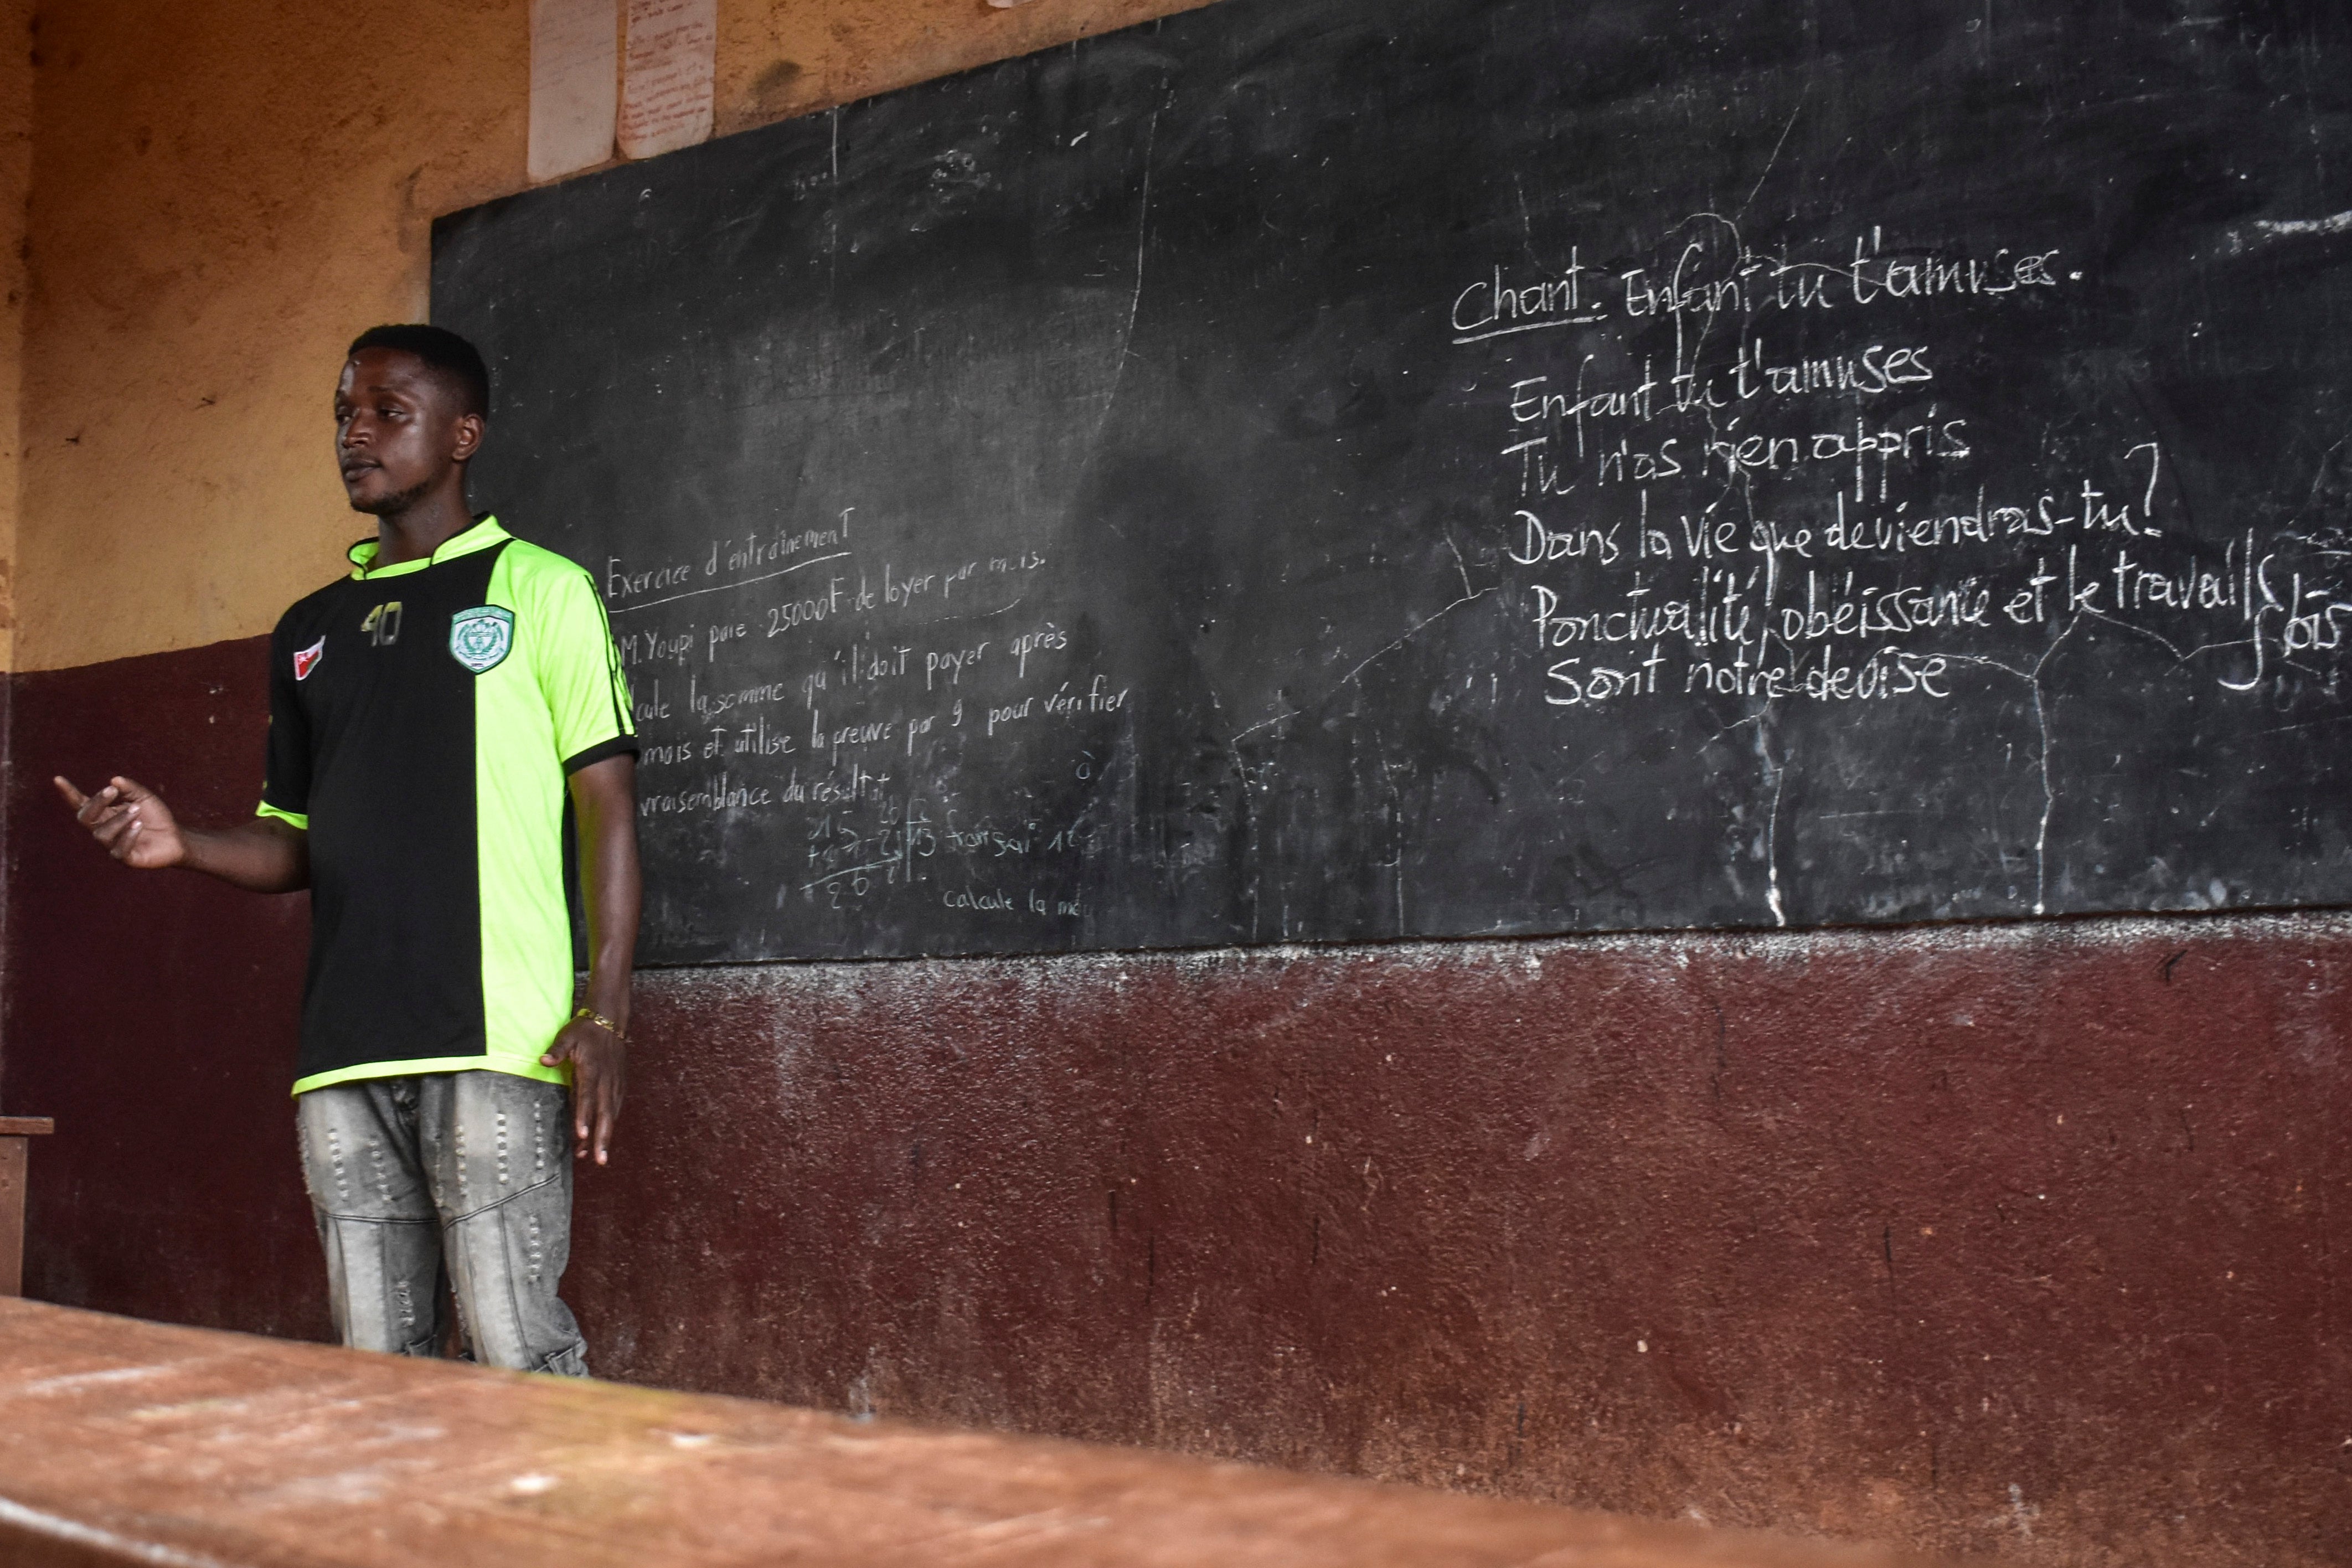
(423, 718)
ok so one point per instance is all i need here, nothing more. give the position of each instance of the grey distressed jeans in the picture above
(464, 1176)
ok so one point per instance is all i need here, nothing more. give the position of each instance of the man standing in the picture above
(428, 714)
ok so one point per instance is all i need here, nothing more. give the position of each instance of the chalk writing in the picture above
(1734, 474)
(816, 684)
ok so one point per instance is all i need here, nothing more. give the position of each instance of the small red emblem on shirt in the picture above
(308, 659)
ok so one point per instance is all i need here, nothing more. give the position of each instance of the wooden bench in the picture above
(14, 1134)
(127, 1442)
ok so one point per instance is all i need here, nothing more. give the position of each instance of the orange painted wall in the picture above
(16, 190)
(225, 191)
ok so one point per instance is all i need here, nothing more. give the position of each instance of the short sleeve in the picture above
(579, 671)
(286, 782)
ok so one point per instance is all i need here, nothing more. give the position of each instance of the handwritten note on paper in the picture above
(665, 86)
(574, 61)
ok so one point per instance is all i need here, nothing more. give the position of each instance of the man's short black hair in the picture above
(457, 362)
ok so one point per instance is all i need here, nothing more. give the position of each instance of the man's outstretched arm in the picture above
(136, 827)
(604, 808)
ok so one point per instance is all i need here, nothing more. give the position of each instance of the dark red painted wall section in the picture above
(2020, 1239)
(152, 1013)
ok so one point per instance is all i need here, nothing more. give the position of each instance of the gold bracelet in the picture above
(601, 1022)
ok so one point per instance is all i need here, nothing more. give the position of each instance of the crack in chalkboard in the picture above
(1527, 225)
(1469, 595)
(1418, 627)
(1135, 300)
(1775, 158)
(1780, 771)
(1460, 565)
(2041, 727)
(1411, 632)
(2041, 720)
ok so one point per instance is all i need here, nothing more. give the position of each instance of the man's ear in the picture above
(466, 435)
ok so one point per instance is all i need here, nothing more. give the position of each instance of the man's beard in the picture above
(394, 503)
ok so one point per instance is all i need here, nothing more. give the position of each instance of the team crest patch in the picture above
(481, 637)
(307, 659)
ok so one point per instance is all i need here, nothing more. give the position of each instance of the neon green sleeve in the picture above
(579, 671)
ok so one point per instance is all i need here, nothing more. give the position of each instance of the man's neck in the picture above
(417, 532)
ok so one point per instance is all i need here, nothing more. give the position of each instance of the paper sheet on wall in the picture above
(574, 61)
(666, 81)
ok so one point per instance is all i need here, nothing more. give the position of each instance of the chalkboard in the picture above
(1343, 469)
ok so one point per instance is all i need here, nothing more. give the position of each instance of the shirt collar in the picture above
(485, 532)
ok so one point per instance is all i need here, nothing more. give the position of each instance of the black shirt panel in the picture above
(373, 726)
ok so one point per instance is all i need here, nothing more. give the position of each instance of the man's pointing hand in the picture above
(131, 820)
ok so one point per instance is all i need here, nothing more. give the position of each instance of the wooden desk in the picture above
(15, 1132)
(129, 1443)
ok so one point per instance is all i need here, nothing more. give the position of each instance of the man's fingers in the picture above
(596, 1079)
(584, 1090)
(608, 1112)
(97, 811)
(595, 1104)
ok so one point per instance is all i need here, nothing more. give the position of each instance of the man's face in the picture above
(398, 431)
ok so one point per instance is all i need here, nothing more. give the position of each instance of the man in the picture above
(427, 714)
